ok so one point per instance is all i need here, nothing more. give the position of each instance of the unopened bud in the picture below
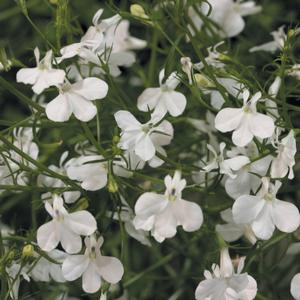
(202, 81)
(53, 1)
(112, 185)
(27, 250)
(187, 67)
(138, 11)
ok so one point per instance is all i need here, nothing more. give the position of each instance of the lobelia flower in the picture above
(45, 270)
(43, 75)
(65, 228)
(164, 98)
(161, 214)
(295, 71)
(144, 139)
(279, 39)
(265, 212)
(247, 178)
(89, 170)
(77, 98)
(227, 14)
(92, 266)
(245, 122)
(223, 283)
(295, 287)
(231, 231)
(47, 181)
(285, 160)
(225, 166)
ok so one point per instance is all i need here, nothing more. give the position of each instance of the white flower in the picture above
(161, 214)
(92, 266)
(265, 212)
(295, 71)
(187, 68)
(247, 177)
(77, 98)
(231, 231)
(279, 39)
(225, 166)
(89, 170)
(295, 286)
(45, 270)
(227, 14)
(47, 181)
(223, 283)
(65, 228)
(285, 160)
(143, 139)
(164, 98)
(43, 75)
(245, 122)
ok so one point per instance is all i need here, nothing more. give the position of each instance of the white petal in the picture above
(285, 216)
(126, 121)
(149, 204)
(28, 75)
(175, 102)
(59, 109)
(246, 208)
(228, 119)
(242, 135)
(238, 186)
(236, 163)
(83, 109)
(144, 147)
(48, 78)
(91, 280)
(165, 225)
(91, 88)
(69, 240)
(233, 25)
(47, 236)
(263, 226)
(230, 232)
(188, 214)
(81, 222)
(74, 266)
(148, 99)
(110, 268)
(295, 286)
(261, 125)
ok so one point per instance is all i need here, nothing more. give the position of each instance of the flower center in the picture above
(92, 254)
(268, 197)
(58, 216)
(172, 195)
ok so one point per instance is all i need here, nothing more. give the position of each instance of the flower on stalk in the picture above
(245, 122)
(295, 287)
(223, 283)
(64, 228)
(265, 212)
(144, 139)
(43, 75)
(77, 98)
(161, 214)
(164, 98)
(284, 162)
(92, 266)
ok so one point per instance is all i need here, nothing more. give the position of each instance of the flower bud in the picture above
(112, 185)
(138, 11)
(27, 250)
(202, 81)
(54, 1)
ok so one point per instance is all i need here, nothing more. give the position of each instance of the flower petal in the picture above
(81, 222)
(47, 236)
(59, 109)
(110, 268)
(74, 266)
(91, 280)
(91, 88)
(261, 125)
(228, 119)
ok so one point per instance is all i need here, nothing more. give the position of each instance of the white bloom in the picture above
(285, 160)
(245, 122)
(223, 283)
(161, 214)
(225, 166)
(43, 75)
(89, 170)
(47, 181)
(265, 212)
(231, 231)
(77, 98)
(65, 228)
(92, 266)
(295, 286)
(247, 177)
(45, 270)
(279, 39)
(143, 139)
(164, 98)
(295, 71)
(187, 68)
(227, 14)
